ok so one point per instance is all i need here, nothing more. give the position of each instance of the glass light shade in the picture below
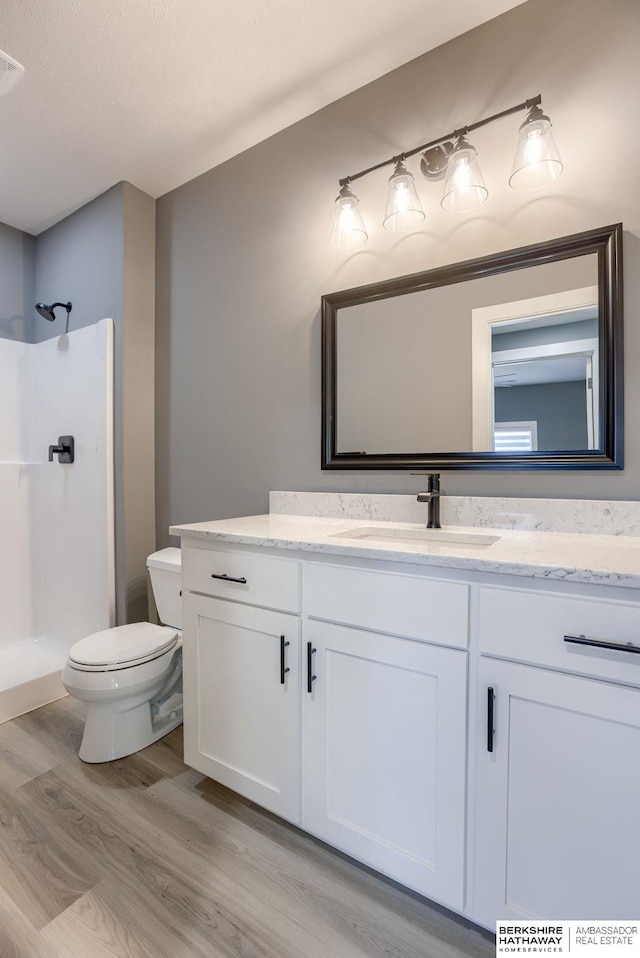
(348, 229)
(537, 161)
(464, 187)
(404, 209)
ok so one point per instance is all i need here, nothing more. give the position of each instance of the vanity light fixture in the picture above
(454, 158)
(537, 161)
(348, 229)
(464, 187)
(404, 209)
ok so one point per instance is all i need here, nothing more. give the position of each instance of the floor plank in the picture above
(196, 895)
(58, 726)
(18, 938)
(22, 756)
(102, 924)
(40, 871)
(145, 858)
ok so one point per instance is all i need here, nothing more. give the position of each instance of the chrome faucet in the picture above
(432, 497)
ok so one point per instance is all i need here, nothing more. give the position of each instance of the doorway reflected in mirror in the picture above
(539, 390)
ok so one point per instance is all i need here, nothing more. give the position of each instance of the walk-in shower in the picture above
(57, 557)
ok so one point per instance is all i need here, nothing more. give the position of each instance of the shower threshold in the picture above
(30, 671)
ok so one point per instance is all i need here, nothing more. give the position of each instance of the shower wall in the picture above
(16, 485)
(57, 561)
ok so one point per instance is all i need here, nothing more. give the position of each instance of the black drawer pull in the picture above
(283, 665)
(490, 729)
(229, 578)
(601, 643)
(310, 676)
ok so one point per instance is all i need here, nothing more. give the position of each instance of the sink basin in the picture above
(431, 540)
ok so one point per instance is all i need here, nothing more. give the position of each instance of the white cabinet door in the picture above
(557, 824)
(242, 700)
(384, 755)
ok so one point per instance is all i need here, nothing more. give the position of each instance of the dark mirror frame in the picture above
(607, 243)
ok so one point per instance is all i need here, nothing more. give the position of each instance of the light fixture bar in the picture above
(527, 105)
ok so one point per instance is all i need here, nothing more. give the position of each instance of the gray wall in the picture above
(17, 266)
(101, 257)
(81, 259)
(541, 404)
(243, 256)
(543, 335)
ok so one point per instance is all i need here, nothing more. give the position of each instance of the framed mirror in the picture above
(512, 361)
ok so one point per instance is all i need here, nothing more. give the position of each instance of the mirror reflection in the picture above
(536, 373)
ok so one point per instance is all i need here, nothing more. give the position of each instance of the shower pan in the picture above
(57, 517)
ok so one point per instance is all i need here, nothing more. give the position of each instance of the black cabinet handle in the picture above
(601, 643)
(310, 676)
(230, 578)
(490, 730)
(283, 664)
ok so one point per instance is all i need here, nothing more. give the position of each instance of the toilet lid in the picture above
(123, 645)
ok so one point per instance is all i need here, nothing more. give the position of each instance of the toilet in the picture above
(131, 675)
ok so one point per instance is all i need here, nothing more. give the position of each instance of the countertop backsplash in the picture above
(587, 516)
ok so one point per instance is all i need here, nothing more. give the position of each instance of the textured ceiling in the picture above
(158, 91)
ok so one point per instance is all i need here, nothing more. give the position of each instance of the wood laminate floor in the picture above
(145, 858)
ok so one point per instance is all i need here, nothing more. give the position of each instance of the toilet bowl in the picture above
(131, 675)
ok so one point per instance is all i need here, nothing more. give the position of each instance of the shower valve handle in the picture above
(64, 450)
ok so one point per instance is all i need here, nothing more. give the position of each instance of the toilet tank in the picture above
(165, 571)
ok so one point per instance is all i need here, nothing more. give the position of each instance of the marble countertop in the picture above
(576, 557)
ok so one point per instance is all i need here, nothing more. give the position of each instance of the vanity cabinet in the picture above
(242, 682)
(334, 692)
(558, 777)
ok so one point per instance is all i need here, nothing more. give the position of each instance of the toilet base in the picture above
(110, 734)
(130, 708)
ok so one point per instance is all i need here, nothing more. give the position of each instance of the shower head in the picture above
(47, 312)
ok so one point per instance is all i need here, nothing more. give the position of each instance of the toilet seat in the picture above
(122, 647)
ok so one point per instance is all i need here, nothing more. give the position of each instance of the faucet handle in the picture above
(64, 450)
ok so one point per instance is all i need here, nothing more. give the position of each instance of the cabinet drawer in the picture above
(530, 627)
(428, 609)
(268, 581)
